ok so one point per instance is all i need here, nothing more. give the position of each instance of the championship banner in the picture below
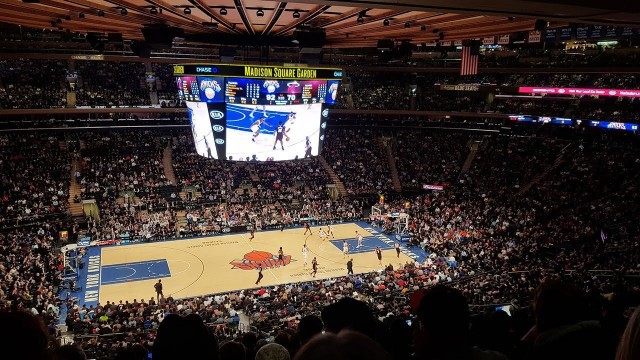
(534, 36)
(582, 32)
(489, 40)
(445, 43)
(431, 43)
(503, 40)
(457, 43)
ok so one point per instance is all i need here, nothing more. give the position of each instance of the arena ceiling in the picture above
(346, 24)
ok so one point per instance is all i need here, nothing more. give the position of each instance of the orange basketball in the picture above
(258, 256)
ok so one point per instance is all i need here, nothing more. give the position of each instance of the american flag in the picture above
(469, 63)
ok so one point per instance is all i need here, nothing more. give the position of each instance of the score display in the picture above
(275, 92)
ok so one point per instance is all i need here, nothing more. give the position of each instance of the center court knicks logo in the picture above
(255, 259)
(217, 128)
(216, 114)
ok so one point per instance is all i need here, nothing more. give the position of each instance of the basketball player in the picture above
(379, 255)
(397, 246)
(260, 276)
(359, 237)
(350, 267)
(256, 126)
(323, 234)
(280, 256)
(264, 111)
(345, 248)
(307, 147)
(281, 132)
(314, 266)
(252, 234)
(331, 232)
(305, 253)
(307, 227)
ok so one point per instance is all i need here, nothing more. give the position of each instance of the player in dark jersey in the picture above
(314, 266)
(280, 133)
(307, 227)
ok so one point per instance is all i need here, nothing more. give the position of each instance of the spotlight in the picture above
(296, 14)
(360, 19)
(100, 13)
(260, 13)
(154, 11)
(423, 27)
(124, 12)
(407, 25)
(187, 10)
(223, 11)
(81, 16)
(385, 22)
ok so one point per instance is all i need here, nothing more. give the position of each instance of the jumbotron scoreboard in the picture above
(257, 112)
(257, 85)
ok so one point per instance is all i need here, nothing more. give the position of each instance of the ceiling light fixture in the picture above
(153, 11)
(81, 16)
(187, 10)
(223, 11)
(386, 22)
(124, 12)
(296, 14)
(260, 13)
(100, 13)
(407, 25)
(423, 27)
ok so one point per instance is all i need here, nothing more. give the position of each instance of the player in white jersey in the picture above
(359, 237)
(330, 233)
(323, 234)
(345, 248)
(305, 253)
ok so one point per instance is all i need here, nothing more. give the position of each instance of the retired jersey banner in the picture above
(445, 43)
(503, 40)
(534, 36)
(489, 40)
(457, 43)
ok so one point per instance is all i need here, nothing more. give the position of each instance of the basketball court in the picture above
(208, 265)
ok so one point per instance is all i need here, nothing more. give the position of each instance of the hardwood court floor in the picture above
(224, 263)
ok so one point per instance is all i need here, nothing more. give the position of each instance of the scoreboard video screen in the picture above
(246, 112)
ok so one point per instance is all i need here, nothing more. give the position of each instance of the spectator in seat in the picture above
(565, 327)
(442, 327)
(629, 346)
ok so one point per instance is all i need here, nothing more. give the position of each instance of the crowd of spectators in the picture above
(113, 84)
(359, 159)
(32, 84)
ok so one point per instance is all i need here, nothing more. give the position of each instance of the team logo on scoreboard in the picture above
(217, 128)
(216, 114)
(219, 141)
(325, 112)
(255, 259)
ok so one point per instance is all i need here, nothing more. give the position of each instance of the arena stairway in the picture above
(391, 159)
(76, 209)
(475, 145)
(334, 177)
(167, 164)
